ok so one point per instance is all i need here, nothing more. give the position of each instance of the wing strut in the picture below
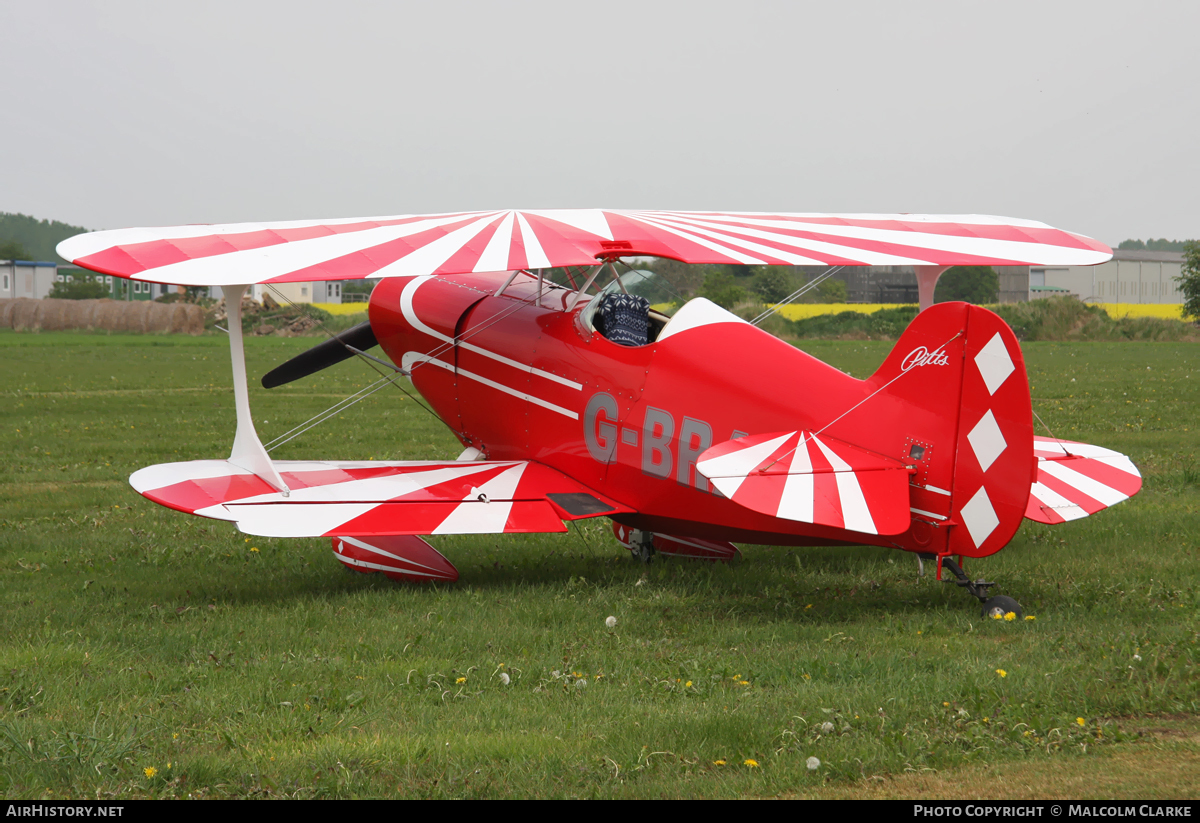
(248, 452)
(927, 277)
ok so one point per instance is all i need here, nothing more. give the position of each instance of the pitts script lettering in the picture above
(921, 356)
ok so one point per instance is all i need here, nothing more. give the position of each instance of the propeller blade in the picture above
(322, 356)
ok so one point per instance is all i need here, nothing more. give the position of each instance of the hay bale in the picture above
(108, 315)
(138, 316)
(25, 314)
(56, 315)
(7, 306)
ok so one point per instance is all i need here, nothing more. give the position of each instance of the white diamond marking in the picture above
(986, 440)
(994, 364)
(979, 517)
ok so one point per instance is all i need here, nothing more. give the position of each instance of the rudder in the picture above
(956, 386)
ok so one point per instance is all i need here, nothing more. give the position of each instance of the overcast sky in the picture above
(1083, 115)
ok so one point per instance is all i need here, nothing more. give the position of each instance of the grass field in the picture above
(145, 653)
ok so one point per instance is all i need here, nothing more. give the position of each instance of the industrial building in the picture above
(1132, 276)
(26, 278)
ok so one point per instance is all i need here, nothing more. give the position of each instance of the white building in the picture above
(1132, 276)
(320, 291)
(25, 278)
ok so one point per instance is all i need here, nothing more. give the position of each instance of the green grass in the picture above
(135, 638)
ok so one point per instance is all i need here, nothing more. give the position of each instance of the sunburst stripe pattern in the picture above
(504, 240)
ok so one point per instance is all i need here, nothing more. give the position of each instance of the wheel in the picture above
(1001, 605)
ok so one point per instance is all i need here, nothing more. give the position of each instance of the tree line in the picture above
(26, 238)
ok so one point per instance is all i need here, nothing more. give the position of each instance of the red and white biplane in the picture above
(692, 432)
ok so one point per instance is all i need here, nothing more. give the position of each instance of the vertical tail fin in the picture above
(954, 396)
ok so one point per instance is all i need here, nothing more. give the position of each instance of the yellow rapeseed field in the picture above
(342, 308)
(802, 311)
(1169, 311)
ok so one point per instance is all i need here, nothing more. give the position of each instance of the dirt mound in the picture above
(273, 318)
(140, 316)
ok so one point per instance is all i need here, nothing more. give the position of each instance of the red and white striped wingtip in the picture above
(1075, 480)
(373, 497)
(821, 480)
(689, 548)
(400, 557)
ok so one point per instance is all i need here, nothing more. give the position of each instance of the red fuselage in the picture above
(529, 379)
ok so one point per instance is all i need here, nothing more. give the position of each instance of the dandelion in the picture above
(505, 679)
(687, 685)
(1010, 616)
(254, 548)
(718, 762)
(809, 606)
(813, 764)
(997, 616)
(581, 683)
(1080, 721)
(1030, 617)
(461, 680)
(149, 771)
(946, 704)
(1001, 672)
(751, 762)
(610, 621)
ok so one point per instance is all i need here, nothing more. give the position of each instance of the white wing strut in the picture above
(248, 451)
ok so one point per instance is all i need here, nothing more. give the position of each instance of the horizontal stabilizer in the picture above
(1078, 479)
(372, 498)
(821, 480)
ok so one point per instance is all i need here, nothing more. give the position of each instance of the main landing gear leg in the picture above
(642, 545)
(991, 606)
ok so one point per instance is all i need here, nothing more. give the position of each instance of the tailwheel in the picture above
(995, 607)
(1000, 605)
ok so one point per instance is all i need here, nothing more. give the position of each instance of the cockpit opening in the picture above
(627, 311)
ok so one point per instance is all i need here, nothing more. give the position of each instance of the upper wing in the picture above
(487, 241)
(1078, 479)
(377, 498)
(821, 480)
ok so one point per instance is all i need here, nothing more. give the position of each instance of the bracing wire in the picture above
(384, 379)
(821, 430)
(798, 293)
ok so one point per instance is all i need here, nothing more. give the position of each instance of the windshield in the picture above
(643, 283)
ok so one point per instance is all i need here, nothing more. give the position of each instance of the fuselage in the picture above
(529, 378)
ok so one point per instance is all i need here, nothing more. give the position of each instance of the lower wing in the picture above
(369, 498)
